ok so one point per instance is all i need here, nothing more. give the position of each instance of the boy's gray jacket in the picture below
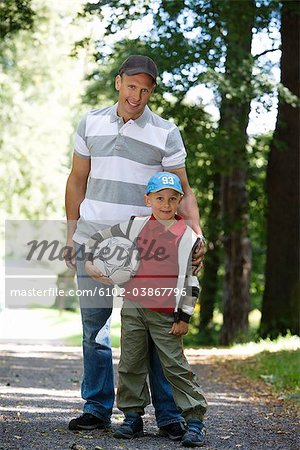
(187, 284)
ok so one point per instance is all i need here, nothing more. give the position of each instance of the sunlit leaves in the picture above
(15, 15)
(39, 88)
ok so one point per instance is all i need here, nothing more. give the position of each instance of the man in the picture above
(116, 150)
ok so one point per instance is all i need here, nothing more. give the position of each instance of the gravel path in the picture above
(39, 394)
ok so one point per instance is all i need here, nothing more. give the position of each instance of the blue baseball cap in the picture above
(164, 180)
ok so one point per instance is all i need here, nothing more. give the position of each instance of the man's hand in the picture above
(180, 328)
(96, 274)
(197, 258)
(69, 255)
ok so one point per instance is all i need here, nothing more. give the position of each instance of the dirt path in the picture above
(39, 394)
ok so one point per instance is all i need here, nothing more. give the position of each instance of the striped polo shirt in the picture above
(123, 158)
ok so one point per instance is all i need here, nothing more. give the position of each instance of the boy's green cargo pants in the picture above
(133, 393)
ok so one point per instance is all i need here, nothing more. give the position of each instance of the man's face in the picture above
(134, 93)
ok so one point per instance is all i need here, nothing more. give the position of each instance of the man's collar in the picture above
(140, 121)
(113, 115)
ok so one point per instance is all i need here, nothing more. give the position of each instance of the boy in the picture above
(159, 301)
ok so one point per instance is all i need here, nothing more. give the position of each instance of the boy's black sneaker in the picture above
(132, 427)
(195, 434)
(173, 431)
(88, 421)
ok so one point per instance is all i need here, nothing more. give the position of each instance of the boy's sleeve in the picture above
(189, 300)
(116, 230)
(92, 244)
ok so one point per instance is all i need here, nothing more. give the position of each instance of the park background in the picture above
(229, 78)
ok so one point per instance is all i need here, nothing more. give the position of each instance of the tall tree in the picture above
(280, 311)
(235, 110)
(212, 259)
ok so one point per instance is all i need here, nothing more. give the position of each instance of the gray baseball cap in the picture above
(139, 64)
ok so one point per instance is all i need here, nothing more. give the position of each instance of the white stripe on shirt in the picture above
(105, 211)
(100, 126)
(80, 146)
(174, 160)
(120, 169)
(149, 134)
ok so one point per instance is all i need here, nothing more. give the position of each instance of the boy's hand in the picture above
(180, 328)
(95, 273)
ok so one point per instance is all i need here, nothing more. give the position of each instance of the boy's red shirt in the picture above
(158, 268)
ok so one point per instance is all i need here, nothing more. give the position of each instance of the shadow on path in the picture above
(40, 393)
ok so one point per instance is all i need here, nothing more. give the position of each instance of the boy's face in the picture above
(163, 203)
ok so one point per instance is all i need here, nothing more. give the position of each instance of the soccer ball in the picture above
(118, 258)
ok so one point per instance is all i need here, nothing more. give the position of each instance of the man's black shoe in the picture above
(195, 434)
(173, 431)
(88, 421)
(132, 427)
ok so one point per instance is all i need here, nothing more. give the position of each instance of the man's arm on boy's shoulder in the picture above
(188, 208)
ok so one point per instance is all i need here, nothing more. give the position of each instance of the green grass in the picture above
(211, 336)
(275, 362)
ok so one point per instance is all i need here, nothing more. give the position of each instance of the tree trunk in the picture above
(212, 261)
(280, 311)
(236, 298)
(234, 120)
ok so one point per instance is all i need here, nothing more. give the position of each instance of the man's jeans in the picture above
(98, 379)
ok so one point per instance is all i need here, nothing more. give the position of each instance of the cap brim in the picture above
(167, 187)
(136, 71)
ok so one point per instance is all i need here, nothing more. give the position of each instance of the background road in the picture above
(40, 393)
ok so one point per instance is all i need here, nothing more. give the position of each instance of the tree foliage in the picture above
(37, 85)
(15, 15)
